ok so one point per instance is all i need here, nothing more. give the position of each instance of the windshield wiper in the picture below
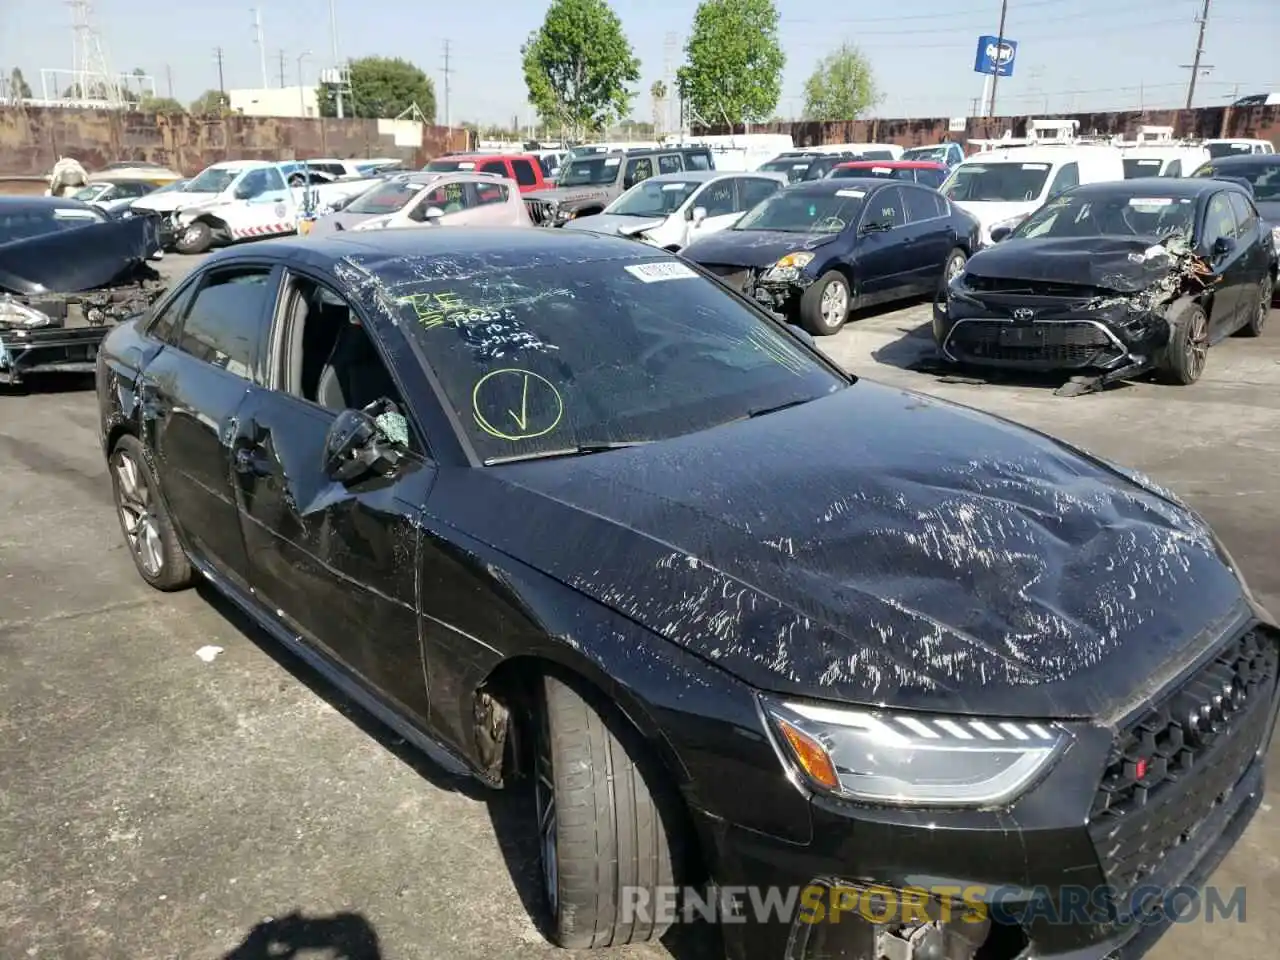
(761, 411)
(576, 451)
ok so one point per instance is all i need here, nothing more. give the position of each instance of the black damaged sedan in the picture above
(559, 508)
(1114, 280)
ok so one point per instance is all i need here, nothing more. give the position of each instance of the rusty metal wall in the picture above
(1262, 123)
(32, 139)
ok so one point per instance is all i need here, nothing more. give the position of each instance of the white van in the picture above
(868, 151)
(1164, 160)
(1238, 147)
(1003, 187)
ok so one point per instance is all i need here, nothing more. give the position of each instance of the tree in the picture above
(734, 62)
(577, 66)
(149, 104)
(381, 88)
(841, 86)
(209, 103)
(18, 86)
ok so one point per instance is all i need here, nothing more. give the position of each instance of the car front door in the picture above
(927, 237)
(1228, 261)
(720, 199)
(336, 562)
(450, 199)
(191, 396)
(884, 267)
(267, 207)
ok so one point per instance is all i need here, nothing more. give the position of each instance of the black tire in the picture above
(194, 238)
(955, 262)
(813, 303)
(144, 519)
(1187, 351)
(603, 827)
(1258, 322)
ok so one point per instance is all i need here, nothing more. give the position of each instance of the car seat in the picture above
(355, 375)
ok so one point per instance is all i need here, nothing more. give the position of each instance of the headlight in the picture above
(915, 759)
(14, 314)
(788, 268)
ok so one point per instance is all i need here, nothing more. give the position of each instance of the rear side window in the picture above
(524, 173)
(490, 193)
(225, 321)
(1066, 178)
(670, 163)
(494, 166)
(697, 161)
(921, 204)
(1246, 216)
(1174, 169)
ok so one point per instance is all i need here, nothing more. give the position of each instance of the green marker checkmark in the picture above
(522, 421)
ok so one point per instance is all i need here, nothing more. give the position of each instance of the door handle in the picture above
(251, 461)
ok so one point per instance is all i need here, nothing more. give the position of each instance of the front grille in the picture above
(1191, 750)
(1060, 344)
(732, 274)
(541, 212)
(1035, 288)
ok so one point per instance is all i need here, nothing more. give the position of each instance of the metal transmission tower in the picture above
(91, 75)
(447, 71)
(670, 52)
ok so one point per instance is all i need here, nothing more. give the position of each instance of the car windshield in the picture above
(1220, 150)
(26, 224)
(653, 198)
(450, 166)
(1119, 214)
(996, 182)
(789, 212)
(590, 171)
(936, 154)
(561, 355)
(384, 198)
(212, 180)
(1263, 175)
(1145, 167)
(91, 192)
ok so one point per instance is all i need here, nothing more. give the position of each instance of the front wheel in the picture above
(953, 267)
(144, 520)
(1262, 309)
(194, 238)
(824, 307)
(607, 840)
(1188, 346)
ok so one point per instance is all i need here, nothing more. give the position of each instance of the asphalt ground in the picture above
(155, 803)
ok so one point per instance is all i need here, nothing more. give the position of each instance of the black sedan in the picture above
(814, 252)
(1262, 173)
(1113, 280)
(559, 506)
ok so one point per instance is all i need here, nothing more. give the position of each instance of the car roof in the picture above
(893, 165)
(505, 245)
(829, 186)
(1245, 160)
(20, 203)
(694, 175)
(1183, 187)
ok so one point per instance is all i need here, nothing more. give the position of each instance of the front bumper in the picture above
(48, 350)
(1080, 868)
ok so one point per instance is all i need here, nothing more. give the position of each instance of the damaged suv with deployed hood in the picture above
(68, 274)
(555, 505)
(1111, 280)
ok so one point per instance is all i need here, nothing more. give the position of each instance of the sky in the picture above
(1073, 55)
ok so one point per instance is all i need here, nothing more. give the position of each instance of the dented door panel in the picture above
(337, 563)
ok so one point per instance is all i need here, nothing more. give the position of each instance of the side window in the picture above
(753, 190)
(717, 198)
(524, 173)
(697, 161)
(253, 185)
(1068, 176)
(166, 321)
(638, 169)
(885, 207)
(493, 166)
(919, 204)
(226, 319)
(670, 163)
(275, 181)
(1219, 221)
(1174, 169)
(490, 193)
(1246, 216)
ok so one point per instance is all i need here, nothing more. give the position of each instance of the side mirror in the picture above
(355, 448)
(1222, 246)
(874, 227)
(1000, 233)
(697, 215)
(432, 214)
(243, 192)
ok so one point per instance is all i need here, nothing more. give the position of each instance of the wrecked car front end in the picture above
(1025, 307)
(61, 293)
(555, 208)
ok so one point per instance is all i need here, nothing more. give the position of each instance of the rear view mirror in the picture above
(355, 448)
(698, 214)
(1000, 233)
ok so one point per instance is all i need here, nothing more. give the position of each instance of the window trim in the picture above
(866, 208)
(920, 188)
(274, 273)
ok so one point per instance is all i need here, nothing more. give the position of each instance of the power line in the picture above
(446, 71)
(1194, 66)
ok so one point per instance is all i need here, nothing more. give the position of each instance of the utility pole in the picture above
(282, 81)
(222, 87)
(168, 75)
(447, 71)
(262, 47)
(995, 77)
(1195, 61)
(337, 64)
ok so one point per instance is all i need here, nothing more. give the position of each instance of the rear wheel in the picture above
(824, 307)
(1188, 346)
(1262, 309)
(607, 839)
(144, 520)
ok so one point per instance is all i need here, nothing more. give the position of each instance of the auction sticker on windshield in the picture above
(1035, 166)
(654, 272)
(673, 186)
(882, 170)
(611, 161)
(1151, 201)
(856, 194)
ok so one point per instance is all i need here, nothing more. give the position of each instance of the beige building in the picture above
(275, 102)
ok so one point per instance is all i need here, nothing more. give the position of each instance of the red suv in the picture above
(523, 168)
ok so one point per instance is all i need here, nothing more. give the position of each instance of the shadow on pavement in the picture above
(48, 383)
(342, 936)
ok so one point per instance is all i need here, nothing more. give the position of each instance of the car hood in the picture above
(752, 248)
(612, 223)
(176, 200)
(568, 196)
(85, 258)
(1121, 264)
(1270, 211)
(875, 546)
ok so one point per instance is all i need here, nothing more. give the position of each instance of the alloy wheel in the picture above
(137, 513)
(955, 266)
(1197, 344)
(191, 235)
(835, 304)
(1265, 296)
(545, 798)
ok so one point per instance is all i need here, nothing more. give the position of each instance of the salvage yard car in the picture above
(1262, 174)
(525, 169)
(68, 274)
(556, 506)
(672, 210)
(815, 252)
(430, 199)
(930, 173)
(1114, 280)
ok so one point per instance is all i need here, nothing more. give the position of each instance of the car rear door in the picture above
(337, 563)
(191, 395)
(928, 236)
(1254, 246)
(885, 265)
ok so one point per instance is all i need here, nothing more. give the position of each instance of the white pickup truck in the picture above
(240, 200)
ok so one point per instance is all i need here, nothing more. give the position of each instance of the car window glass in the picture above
(753, 190)
(274, 179)
(525, 175)
(919, 204)
(254, 184)
(1068, 176)
(670, 163)
(493, 166)
(639, 169)
(1246, 216)
(166, 321)
(1219, 222)
(717, 198)
(450, 198)
(1174, 169)
(224, 323)
(490, 193)
(885, 207)
(697, 161)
